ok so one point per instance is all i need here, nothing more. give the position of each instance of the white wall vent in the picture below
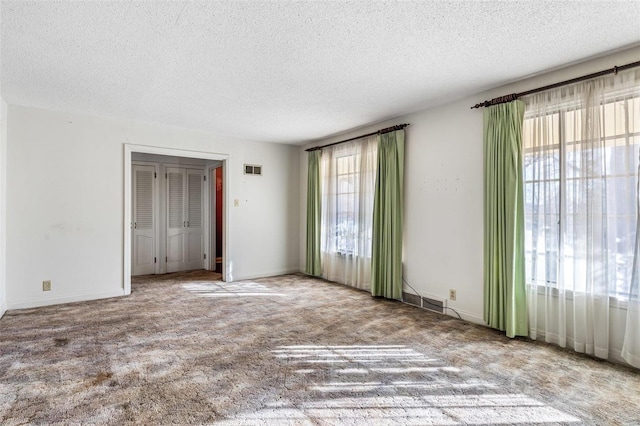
(435, 305)
(252, 169)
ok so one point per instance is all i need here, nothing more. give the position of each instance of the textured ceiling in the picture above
(285, 71)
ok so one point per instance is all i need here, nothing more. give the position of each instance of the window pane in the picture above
(615, 118)
(342, 165)
(342, 201)
(346, 184)
(634, 115)
(572, 125)
(634, 143)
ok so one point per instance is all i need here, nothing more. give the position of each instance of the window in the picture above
(580, 202)
(348, 180)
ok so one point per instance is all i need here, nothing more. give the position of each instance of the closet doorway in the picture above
(217, 188)
(173, 214)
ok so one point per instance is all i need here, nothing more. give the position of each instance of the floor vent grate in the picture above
(411, 299)
(433, 305)
(428, 303)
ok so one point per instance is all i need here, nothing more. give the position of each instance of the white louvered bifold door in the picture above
(144, 220)
(185, 219)
(195, 216)
(176, 219)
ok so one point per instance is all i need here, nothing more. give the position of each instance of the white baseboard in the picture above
(3, 308)
(67, 299)
(118, 293)
(467, 316)
(266, 274)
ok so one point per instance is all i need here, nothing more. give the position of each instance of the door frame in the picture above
(210, 172)
(147, 149)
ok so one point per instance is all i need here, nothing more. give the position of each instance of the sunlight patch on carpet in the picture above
(395, 384)
(223, 289)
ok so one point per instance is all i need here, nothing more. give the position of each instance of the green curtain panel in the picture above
(386, 262)
(313, 214)
(505, 305)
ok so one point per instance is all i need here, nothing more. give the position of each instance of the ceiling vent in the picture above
(252, 169)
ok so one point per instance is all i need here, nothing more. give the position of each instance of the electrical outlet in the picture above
(46, 285)
(452, 294)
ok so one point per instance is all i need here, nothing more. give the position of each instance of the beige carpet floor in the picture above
(187, 349)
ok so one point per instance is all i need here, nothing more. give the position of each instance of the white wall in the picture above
(65, 203)
(3, 206)
(443, 232)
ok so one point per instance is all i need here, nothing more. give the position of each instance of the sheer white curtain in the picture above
(348, 175)
(631, 346)
(580, 160)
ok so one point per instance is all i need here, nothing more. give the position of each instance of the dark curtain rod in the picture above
(514, 96)
(379, 132)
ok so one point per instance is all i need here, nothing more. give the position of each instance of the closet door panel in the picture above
(194, 249)
(176, 220)
(144, 220)
(175, 248)
(144, 253)
(195, 213)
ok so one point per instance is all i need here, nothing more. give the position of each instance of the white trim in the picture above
(126, 283)
(3, 309)
(268, 274)
(210, 262)
(206, 226)
(227, 264)
(67, 299)
(168, 164)
(226, 248)
(466, 316)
